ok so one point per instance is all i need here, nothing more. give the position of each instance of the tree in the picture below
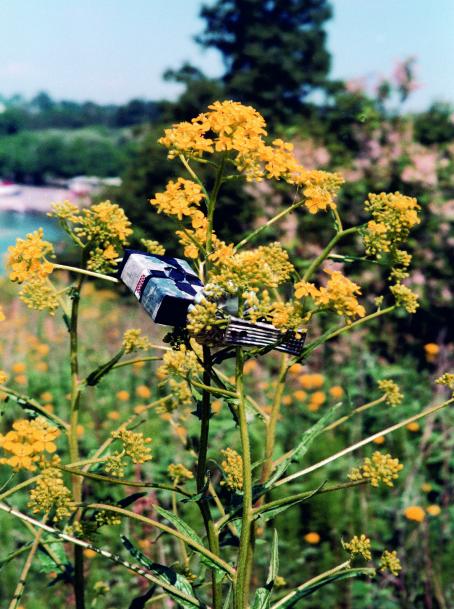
(273, 50)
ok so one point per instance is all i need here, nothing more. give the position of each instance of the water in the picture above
(15, 224)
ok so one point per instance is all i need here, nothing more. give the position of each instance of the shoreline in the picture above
(35, 199)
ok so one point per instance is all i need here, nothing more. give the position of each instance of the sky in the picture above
(112, 50)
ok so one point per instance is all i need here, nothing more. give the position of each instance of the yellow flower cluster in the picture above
(134, 341)
(264, 266)
(50, 495)
(379, 468)
(283, 315)
(3, 377)
(201, 317)
(230, 127)
(180, 198)
(393, 216)
(390, 562)
(134, 445)
(233, 469)
(180, 392)
(392, 392)
(27, 441)
(2, 315)
(40, 294)
(182, 362)
(102, 229)
(446, 379)
(177, 472)
(359, 545)
(153, 247)
(28, 258)
(405, 297)
(338, 295)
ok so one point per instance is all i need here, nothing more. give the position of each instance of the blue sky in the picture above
(112, 50)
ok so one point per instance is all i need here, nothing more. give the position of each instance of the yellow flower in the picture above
(431, 349)
(114, 415)
(392, 392)
(20, 379)
(46, 396)
(312, 537)
(233, 469)
(446, 379)
(178, 471)
(18, 367)
(180, 198)
(338, 295)
(311, 381)
(413, 426)
(296, 368)
(89, 553)
(123, 395)
(426, 487)
(300, 395)
(250, 365)
(379, 440)
(390, 562)
(336, 391)
(414, 512)
(134, 341)
(359, 545)
(433, 510)
(3, 377)
(27, 259)
(143, 391)
(153, 247)
(379, 468)
(405, 298)
(318, 398)
(2, 315)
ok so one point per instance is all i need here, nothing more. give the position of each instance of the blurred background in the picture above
(360, 86)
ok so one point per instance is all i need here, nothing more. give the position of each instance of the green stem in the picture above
(112, 480)
(18, 487)
(75, 269)
(305, 494)
(325, 253)
(24, 400)
(106, 554)
(211, 207)
(79, 583)
(342, 567)
(272, 422)
(270, 222)
(216, 390)
(25, 570)
(166, 529)
(354, 412)
(244, 554)
(131, 362)
(212, 534)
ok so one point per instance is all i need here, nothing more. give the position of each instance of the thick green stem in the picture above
(205, 415)
(245, 554)
(25, 570)
(273, 220)
(272, 422)
(79, 582)
(75, 269)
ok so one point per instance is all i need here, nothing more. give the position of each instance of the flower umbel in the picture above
(379, 468)
(233, 469)
(359, 545)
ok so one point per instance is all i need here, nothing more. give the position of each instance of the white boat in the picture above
(8, 189)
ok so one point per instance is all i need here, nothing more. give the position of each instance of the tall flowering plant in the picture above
(236, 488)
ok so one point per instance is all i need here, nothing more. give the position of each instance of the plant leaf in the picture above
(184, 528)
(272, 512)
(94, 377)
(262, 597)
(164, 573)
(303, 446)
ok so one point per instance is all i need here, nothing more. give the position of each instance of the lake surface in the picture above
(14, 224)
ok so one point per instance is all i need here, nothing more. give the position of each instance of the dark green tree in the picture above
(274, 51)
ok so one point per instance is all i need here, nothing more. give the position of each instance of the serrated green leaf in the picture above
(302, 448)
(184, 528)
(271, 512)
(164, 573)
